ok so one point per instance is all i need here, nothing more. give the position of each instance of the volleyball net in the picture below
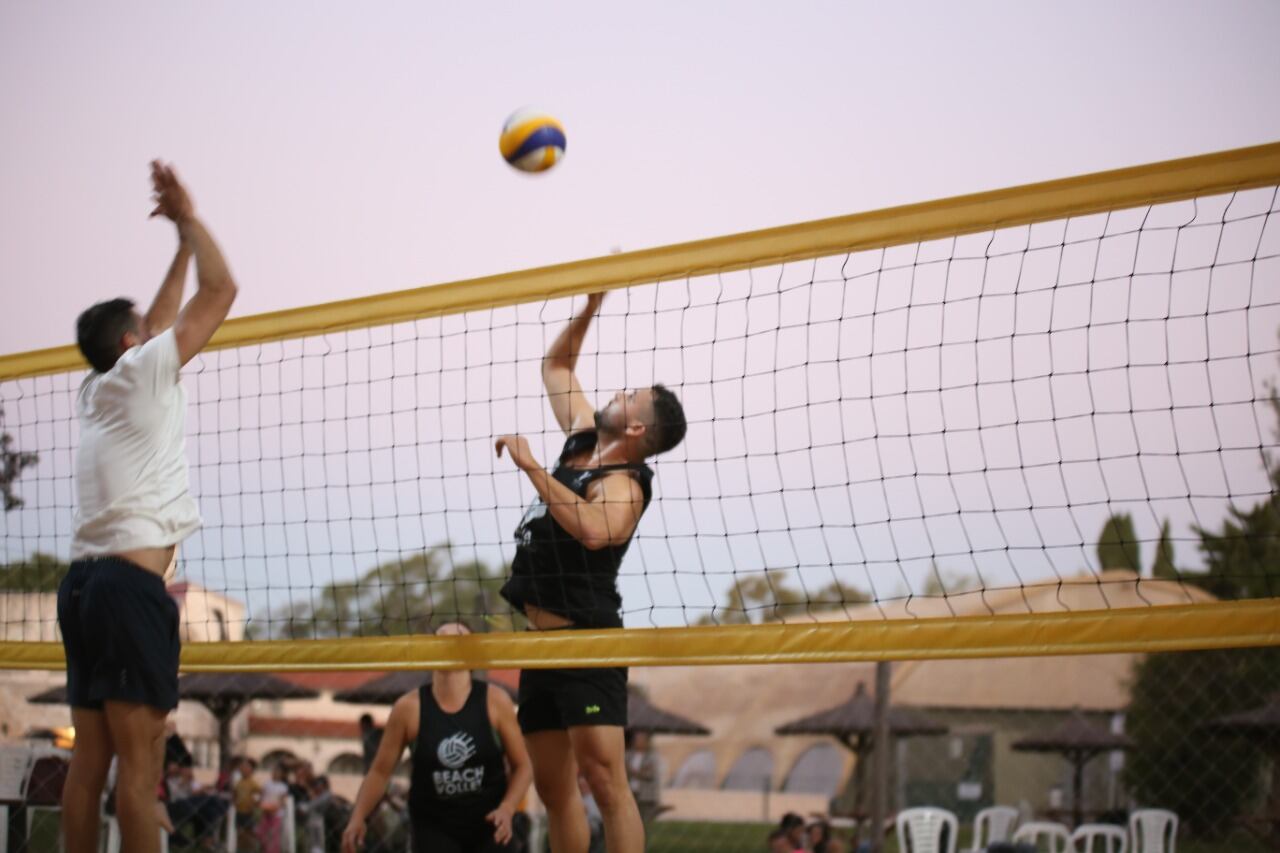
(1032, 421)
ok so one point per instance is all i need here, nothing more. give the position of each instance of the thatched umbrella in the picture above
(1262, 723)
(52, 696)
(386, 689)
(853, 724)
(1262, 727)
(644, 716)
(226, 693)
(1080, 741)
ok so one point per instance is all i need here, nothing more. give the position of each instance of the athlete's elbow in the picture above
(553, 369)
(596, 540)
(220, 291)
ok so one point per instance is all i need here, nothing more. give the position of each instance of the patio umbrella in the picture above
(1262, 726)
(853, 724)
(644, 716)
(1079, 740)
(226, 693)
(1262, 723)
(386, 689)
(52, 696)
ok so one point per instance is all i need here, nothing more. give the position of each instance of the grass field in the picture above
(677, 837)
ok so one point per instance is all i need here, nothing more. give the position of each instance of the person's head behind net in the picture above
(792, 825)
(653, 416)
(779, 842)
(453, 628)
(104, 331)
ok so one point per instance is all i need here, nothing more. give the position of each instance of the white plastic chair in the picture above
(1057, 835)
(991, 825)
(1153, 830)
(1113, 838)
(920, 830)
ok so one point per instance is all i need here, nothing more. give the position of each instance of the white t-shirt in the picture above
(274, 792)
(132, 487)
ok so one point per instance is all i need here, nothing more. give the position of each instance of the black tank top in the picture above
(459, 772)
(555, 571)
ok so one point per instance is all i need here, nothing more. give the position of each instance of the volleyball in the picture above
(532, 141)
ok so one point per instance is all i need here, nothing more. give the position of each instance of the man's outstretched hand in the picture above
(170, 197)
(517, 447)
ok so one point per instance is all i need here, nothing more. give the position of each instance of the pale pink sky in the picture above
(341, 149)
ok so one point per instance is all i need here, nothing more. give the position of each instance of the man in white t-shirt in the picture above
(133, 508)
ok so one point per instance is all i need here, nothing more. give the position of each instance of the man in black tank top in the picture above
(569, 547)
(470, 765)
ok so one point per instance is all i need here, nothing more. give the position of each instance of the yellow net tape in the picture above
(1238, 624)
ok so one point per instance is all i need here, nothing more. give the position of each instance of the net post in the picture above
(880, 757)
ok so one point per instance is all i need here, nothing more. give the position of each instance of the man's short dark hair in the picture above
(790, 821)
(669, 425)
(99, 330)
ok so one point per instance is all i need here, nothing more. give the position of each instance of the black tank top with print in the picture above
(555, 571)
(459, 773)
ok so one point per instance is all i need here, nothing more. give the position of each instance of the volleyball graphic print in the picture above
(457, 779)
(456, 750)
(532, 141)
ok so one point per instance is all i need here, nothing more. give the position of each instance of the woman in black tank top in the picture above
(470, 765)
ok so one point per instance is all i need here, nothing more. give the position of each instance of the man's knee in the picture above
(138, 775)
(607, 781)
(138, 732)
(555, 790)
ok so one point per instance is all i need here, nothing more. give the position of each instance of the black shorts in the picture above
(552, 699)
(120, 634)
(429, 839)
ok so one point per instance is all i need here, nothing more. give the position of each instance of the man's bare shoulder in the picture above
(618, 485)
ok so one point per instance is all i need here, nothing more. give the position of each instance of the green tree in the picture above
(1242, 560)
(768, 597)
(409, 595)
(1208, 780)
(38, 573)
(1163, 566)
(1118, 545)
(12, 463)
(942, 582)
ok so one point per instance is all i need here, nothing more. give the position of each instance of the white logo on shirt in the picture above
(456, 750)
(536, 510)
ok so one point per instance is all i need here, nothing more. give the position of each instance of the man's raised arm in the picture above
(164, 308)
(215, 289)
(572, 408)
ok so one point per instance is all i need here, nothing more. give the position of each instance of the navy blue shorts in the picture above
(120, 634)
